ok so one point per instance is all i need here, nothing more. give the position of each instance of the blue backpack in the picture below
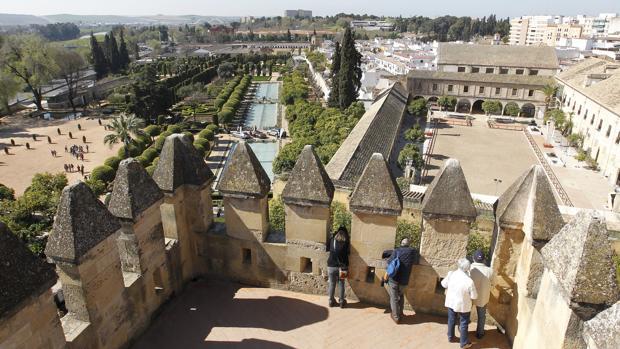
(393, 265)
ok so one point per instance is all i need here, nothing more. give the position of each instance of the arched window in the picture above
(600, 125)
(608, 131)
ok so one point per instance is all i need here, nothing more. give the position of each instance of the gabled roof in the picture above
(179, 164)
(499, 79)
(82, 222)
(375, 132)
(308, 184)
(580, 257)
(376, 191)
(134, 190)
(542, 57)
(603, 328)
(448, 194)
(22, 274)
(243, 175)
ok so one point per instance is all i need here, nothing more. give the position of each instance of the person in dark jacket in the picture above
(338, 264)
(396, 285)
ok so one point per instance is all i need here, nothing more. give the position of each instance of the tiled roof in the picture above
(498, 55)
(503, 79)
(375, 132)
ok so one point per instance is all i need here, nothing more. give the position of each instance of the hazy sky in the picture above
(502, 8)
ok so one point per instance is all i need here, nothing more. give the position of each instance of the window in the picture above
(497, 90)
(461, 69)
(481, 89)
(579, 111)
(246, 254)
(305, 265)
(530, 93)
(608, 131)
(370, 275)
(618, 138)
(519, 72)
(514, 91)
(475, 70)
(450, 87)
(489, 70)
(585, 115)
(592, 120)
(434, 87)
(600, 125)
(533, 72)
(465, 89)
(503, 71)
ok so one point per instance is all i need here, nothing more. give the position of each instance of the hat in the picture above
(478, 256)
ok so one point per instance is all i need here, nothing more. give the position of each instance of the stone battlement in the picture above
(554, 284)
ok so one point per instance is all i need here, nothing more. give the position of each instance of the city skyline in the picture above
(319, 8)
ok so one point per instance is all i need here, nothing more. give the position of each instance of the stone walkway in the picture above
(214, 314)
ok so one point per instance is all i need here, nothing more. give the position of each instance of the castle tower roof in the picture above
(532, 189)
(243, 175)
(22, 274)
(448, 194)
(179, 164)
(308, 183)
(134, 190)
(376, 192)
(82, 222)
(603, 328)
(580, 257)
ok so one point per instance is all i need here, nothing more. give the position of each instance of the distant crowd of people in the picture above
(469, 283)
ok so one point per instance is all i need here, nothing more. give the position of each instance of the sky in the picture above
(503, 8)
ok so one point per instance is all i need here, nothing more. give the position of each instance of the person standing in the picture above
(481, 275)
(397, 283)
(338, 265)
(459, 295)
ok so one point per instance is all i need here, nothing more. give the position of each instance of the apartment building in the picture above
(589, 94)
(298, 13)
(555, 32)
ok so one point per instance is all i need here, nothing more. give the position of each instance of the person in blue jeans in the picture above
(338, 265)
(460, 291)
(482, 276)
(396, 285)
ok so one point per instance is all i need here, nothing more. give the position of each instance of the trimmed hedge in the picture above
(212, 127)
(150, 154)
(174, 129)
(206, 134)
(203, 143)
(201, 150)
(150, 170)
(190, 135)
(133, 151)
(112, 161)
(152, 130)
(143, 161)
(103, 173)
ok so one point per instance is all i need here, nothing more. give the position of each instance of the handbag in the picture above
(343, 273)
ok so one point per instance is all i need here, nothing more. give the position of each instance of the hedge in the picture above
(152, 130)
(203, 142)
(143, 161)
(150, 170)
(201, 150)
(150, 154)
(103, 173)
(133, 151)
(213, 128)
(190, 135)
(206, 134)
(174, 129)
(113, 162)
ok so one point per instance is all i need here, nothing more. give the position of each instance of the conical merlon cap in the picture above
(81, 223)
(531, 197)
(580, 256)
(179, 164)
(243, 175)
(134, 190)
(448, 194)
(22, 274)
(308, 183)
(376, 192)
(603, 328)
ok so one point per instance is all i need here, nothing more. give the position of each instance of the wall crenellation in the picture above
(553, 287)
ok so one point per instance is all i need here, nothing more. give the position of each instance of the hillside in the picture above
(8, 19)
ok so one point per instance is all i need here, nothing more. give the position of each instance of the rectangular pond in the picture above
(268, 90)
(262, 116)
(265, 152)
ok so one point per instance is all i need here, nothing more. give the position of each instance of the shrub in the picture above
(161, 119)
(133, 151)
(417, 107)
(143, 161)
(202, 142)
(478, 241)
(149, 154)
(159, 143)
(190, 135)
(276, 215)
(113, 162)
(152, 130)
(155, 161)
(340, 216)
(6, 193)
(201, 150)
(103, 173)
(212, 127)
(206, 134)
(150, 170)
(97, 186)
(174, 129)
(409, 230)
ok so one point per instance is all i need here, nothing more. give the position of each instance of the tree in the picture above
(123, 53)
(350, 73)
(70, 65)
(112, 53)
(410, 152)
(414, 134)
(446, 102)
(549, 91)
(558, 117)
(512, 109)
(125, 128)
(97, 57)
(334, 93)
(28, 59)
(9, 86)
(417, 107)
(288, 35)
(150, 97)
(492, 107)
(226, 70)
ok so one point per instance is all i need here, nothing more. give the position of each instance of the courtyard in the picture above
(216, 314)
(18, 168)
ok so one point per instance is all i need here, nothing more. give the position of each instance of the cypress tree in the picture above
(123, 53)
(334, 94)
(115, 59)
(97, 57)
(350, 74)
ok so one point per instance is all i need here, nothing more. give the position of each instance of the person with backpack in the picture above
(338, 265)
(400, 262)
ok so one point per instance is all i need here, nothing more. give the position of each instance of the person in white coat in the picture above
(460, 291)
(481, 275)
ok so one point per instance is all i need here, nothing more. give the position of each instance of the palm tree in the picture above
(125, 128)
(549, 91)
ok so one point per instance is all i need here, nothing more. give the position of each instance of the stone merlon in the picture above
(376, 191)
(448, 195)
(22, 274)
(580, 257)
(603, 329)
(180, 164)
(308, 183)
(82, 222)
(134, 190)
(243, 175)
(532, 191)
